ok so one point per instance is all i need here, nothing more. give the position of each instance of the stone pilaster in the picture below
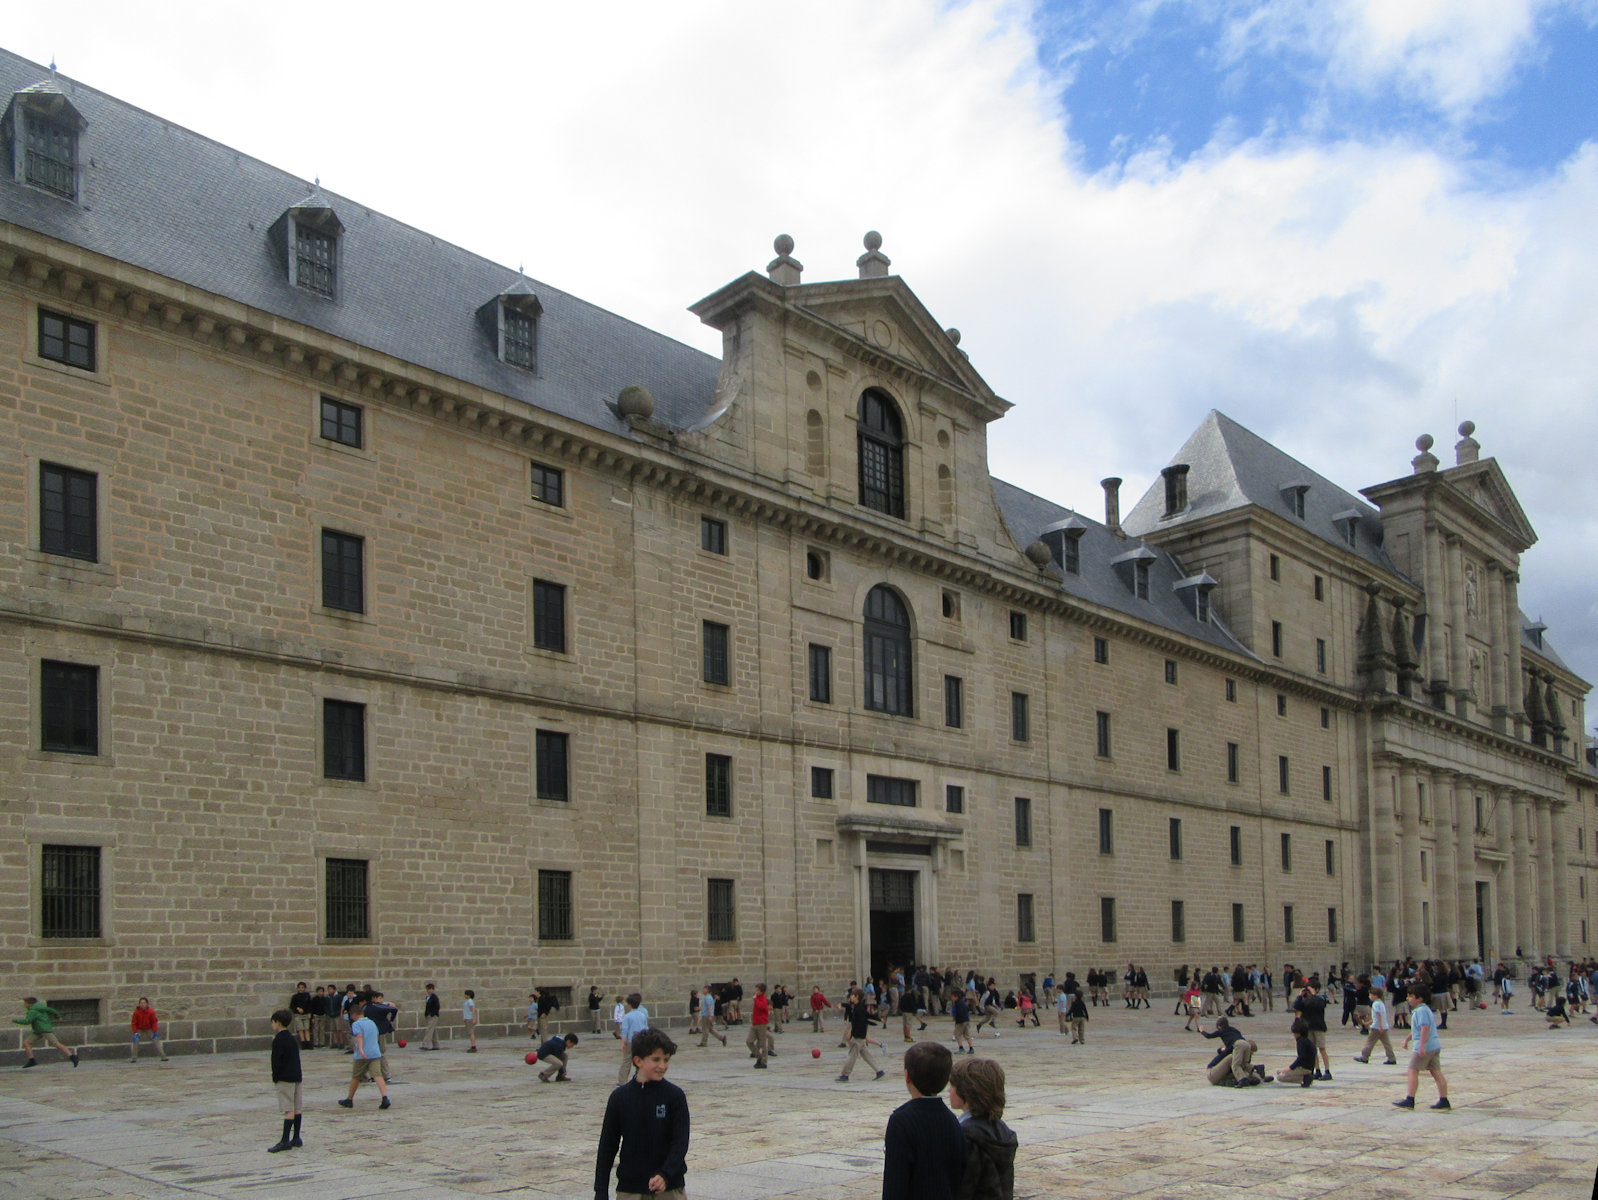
(1413, 891)
(1561, 874)
(1384, 887)
(1520, 851)
(1465, 867)
(1437, 677)
(1548, 868)
(1506, 899)
(1459, 665)
(1515, 677)
(1447, 890)
(1496, 658)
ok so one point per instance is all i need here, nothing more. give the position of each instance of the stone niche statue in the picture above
(1472, 591)
(1477, 666)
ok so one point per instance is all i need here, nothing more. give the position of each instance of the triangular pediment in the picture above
(1483, 485)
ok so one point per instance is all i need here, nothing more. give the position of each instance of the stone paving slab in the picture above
(1126, 1116)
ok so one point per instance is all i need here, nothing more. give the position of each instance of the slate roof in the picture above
(1098, 582)
(169, 200)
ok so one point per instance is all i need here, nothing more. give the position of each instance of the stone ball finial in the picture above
(953, 334)
(783, 244)
(1373, 588)
(1466, 428)
(1039, 553)
(1424, 442)
(873, 240)
(634, 400)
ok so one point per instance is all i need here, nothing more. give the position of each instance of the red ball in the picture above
(402, 1043)
(531, 1058)
(814, 1053)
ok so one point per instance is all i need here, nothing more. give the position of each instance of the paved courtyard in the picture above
(1127, 1115)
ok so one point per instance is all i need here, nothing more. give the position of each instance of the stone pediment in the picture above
(1483, 485)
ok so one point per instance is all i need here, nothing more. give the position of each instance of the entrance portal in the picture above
(893, 920)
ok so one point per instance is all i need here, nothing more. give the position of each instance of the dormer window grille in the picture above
(519, 349)
(315, 260)
(1071, 549)
(41, 129)
(510, 321)
(1140, 579)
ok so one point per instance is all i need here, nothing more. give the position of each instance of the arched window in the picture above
(888, 675)
(881, 454)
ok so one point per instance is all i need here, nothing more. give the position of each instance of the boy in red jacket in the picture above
(145, 1025)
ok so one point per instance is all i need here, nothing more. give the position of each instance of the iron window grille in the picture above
(1237, 845)
(1178, 921)
(713, 535)
(1025, 927)
(343, 740)
(1170, 670)
(520, 333)
(1101, 650)
(348, 907)
(821, 674)
(553, 766)
(65, 339)
(1102, 731)
(549, 485)
(721, 914)
(887, 653)
(341, 422)
(1237, 922)
(717, 668)
(343, 571)
(1282, 774)
(1073, 556)
(51, 156)
(1231, 691)
(885, 789)
(69, 891)
(315, 260)
(68, 512)
(549, 616)
(1106, 918)
(1232, 753)
(1106, 831)
(1173, 749)
(954, 798)
(1320, 655)
(1287, 922)
(881, 445)
(555, 906)
(1020, 716)
(1331, 926)
(953, 701)
(1287, 852)
(1176, 838)
(718, 785)
(69, 708)
(1023, 821)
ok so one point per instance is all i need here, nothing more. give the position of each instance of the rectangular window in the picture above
(348, 905)
(721, 917)
(69, 891)
(1178, 921)
(343, 740)
(821, 783)
(954, 798)
(1237, 922)
(718, 785)
(554, 906)
(1276, 638)
(1320, 655)
(1282, 774)
(1281, 704)
(343, 571)
(65, 339)
(1231, 691)
(1140, 579)
(953, 701)
(50, 153)
(1424, 865)
(1331, 857)
(1287, 852)
(1025, 929)
(1017, 626)
(1276, 566)
(1287, 923)
(69, 708)
(1102, 722)
(1106, 831)
(341, 422)
(68, 512)
(1101, 650)
(713, 535)
(1320, 588)
(519, 332)
(1426, 922)
(1020, 723)
(1023, 821)
(1106, 918)
(553, 767)
(717, 667)
(884, 789)
(821, 674)
(315, 260)
(1170, 670)
(1326, 717)
(1233, 750)
(549, 616)
(1072, 555)
(1175, 824)
(1237, 845)
(1173, 749)
(1326, 784)
(549, 485)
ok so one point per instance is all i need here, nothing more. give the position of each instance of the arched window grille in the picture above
(888, 675)
(881, 454)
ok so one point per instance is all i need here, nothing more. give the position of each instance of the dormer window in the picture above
(42, 128)
(1064, 541)
(307, 236)
(1140, 580)
(510, 320)
(1071, 548)
(1133, 568)
(1293, 495)
(1347, 523)
(1195, 593)
(1534, 634)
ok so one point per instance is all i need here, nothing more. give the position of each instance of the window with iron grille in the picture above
(821, 783)
(1232, 768)
(721, 914)
(887, 653)
(717, 668)
(1101, 650)
(1170, 671)
(315, 259)
(1287, 922)
(1237, 845)
(51, 155)
(1017, 626)
(520, 337)
(954, 798)
(1176, 837)
(1331, 857)
(341, 422)
(65, 339)
(68, 512)
(555, 906)
(1331, 926)
(885, 789)
(1282, 774)
(1326, 783)
(69, 707)
(1326, 717)
(549, 616)
(348, 906)
(953, 701)
(718, 785)
(549, 485)
(1140, 579)
(69, 891)
(1281, 704)
(1020, 716)
(1231, 691)
(75, 1011)
(1287, 852)
(1102, 731)
(1106, 831)
(553, 767)
(881, 446)
(343, 740)
(713, 535)
(1237, 922)
(1023, 821)
(1320, 655)
(1276, 638)
(1106, 918)
(343, 571)
(1025, 928)
(1173, 749)
(1178, 921)
(821, 674)
(1073, 556)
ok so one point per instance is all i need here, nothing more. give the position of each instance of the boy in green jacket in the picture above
(39, 1024)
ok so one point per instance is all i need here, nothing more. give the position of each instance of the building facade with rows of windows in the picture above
(370, 611)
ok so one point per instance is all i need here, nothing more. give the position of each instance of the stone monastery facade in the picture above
(370, 611)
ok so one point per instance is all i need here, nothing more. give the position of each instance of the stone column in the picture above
(1507, 897)
(1547, 871)
(1459, 666)
(1514, 680)
(1384, 886)
(1561, 874)
(1496, 660)
(1447, 889)
(1413, 890)
(1465, 866)
(1436, 606)
(1520, 852)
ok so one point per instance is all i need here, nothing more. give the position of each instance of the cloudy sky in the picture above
(1344, 223)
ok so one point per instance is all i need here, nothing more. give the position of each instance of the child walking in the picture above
(39, 1022)
(288, 1079)
(1428, 1054)
(646, 1119)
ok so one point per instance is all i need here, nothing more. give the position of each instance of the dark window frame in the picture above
(713, 535)
(518, 336)
(1107, 929)
(548, 484)
(1170, 671)
(953, 702)
(68, 340)
(880, 446)
(1020, 717)
(552, 765)
(316, 259)
(953, 798)
(1231, 691)
(821, 783)
(1026, 929)
(69, 708)
(715, 653)
(1288, 932)
(718, 785)
(343, 571)
(1331, 857)
(1107, 831)
(343, 740)
(1236, 845)
(50, 154)
(1284, 775)
(69, 512)
(893, 791)
(721, 910)
(1102, 735)
(1234, 754)
(889, 653)
(1174, 831)
(1287, 853)
(549, 616)
(347, 900)
(1277, 639)
(1018, 629)
(1173, 749)
(1178, 922)
(820, 666)
(1238, 929)
(555, 908)
(1101, 651)
(70, 895)
(343, 423)
(1023, 821)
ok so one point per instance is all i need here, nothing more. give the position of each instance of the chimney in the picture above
(873, 263)
(1112, 505)
(785, 268)
(1467, 449)
(1175, 477)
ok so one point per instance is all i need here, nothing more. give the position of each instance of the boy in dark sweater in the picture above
(287, 1077)
(924, 1148)
(553, 1054)
(647, 1119)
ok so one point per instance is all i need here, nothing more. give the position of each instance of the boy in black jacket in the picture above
(288, 1078)
(647, 1119)
(924, 1151)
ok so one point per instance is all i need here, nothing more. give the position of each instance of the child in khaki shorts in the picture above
(287, 1078)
